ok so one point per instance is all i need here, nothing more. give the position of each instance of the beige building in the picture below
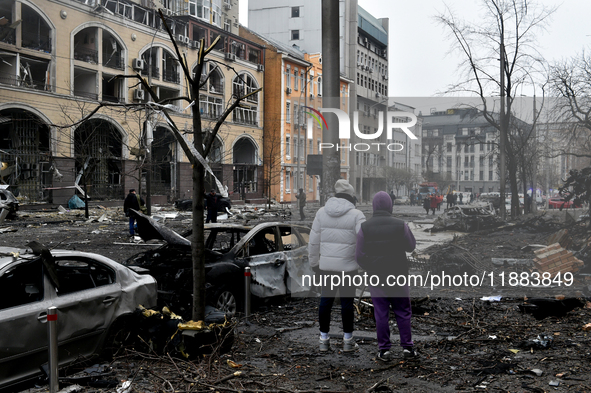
(60, 60)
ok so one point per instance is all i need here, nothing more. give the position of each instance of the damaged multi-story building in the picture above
(58, 62)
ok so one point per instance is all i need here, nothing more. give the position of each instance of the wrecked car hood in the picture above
(148, 229)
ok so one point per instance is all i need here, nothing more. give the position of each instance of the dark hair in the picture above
(131, 190)
(212, 190)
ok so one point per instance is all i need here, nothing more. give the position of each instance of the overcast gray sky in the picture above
(419, 62)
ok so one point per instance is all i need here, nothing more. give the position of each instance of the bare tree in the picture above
(197, 152)
(271, 163)
(499, 55)
(570, 83)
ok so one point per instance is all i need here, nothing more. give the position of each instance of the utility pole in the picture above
(502, 134)
(534, 192)
(331, 163)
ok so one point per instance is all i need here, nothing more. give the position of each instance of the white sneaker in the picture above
(324, 344)
(349, 345)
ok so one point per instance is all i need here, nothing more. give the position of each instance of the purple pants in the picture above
(398, 298)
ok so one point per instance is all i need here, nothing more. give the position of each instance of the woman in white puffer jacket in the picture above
(331, 250)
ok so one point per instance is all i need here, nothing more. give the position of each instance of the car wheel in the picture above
(225, 300)
(119, 336)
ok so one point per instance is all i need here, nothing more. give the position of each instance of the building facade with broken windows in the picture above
(460, 146)
(297, 80)
(59, 61)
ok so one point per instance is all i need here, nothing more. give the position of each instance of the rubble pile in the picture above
(555, 259)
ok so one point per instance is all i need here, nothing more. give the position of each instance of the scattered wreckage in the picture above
(277, 254)
(467, 218)
(8, 203)
(94, 296)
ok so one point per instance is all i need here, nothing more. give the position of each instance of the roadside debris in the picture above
(555, 259)
(467, 218)
(542, 308)
(8, 204)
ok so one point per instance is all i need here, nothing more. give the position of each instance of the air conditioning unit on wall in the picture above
(230, 56)
(260, 67)
(138, 64)
(139, 94)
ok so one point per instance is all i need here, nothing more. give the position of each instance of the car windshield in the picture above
(223, 239)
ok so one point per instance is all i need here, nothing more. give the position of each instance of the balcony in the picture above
(113, 61)
(155, 72)
(87, 55)
(109, 98)
(85, 94)
(171, 76)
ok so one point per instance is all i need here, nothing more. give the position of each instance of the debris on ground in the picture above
(467, 218)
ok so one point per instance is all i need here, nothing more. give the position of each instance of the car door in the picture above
(24, 300)
(267, 262)
(298, 269)
(86, 298)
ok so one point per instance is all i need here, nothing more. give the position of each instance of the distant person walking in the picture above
(212, 200)
(426, 203)
(135, 202)
(382, 243)
(461, 199)
(434, 202)
(301, 197)
(331, 250)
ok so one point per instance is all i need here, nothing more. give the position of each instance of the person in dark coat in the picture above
(135, 202)
(449, 198)
(212, 200)
(382, 244)
(301, 197)
(392, 196)
(427, 203)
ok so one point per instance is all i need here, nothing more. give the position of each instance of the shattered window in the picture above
(223, 240)
(289, 238)
(77, 275)
(263, 242)
(22, 284)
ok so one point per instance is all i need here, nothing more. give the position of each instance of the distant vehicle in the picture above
(427, 188)
(557, 203)
(402, 200)
(94, 296)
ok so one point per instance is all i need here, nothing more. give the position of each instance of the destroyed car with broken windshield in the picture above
(277, 254)
(94, 295)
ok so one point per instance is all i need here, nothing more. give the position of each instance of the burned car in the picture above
(94, 296)
(467, 218)
(8, 203)
(277, 254)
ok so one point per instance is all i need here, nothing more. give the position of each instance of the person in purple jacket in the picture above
(382, 244)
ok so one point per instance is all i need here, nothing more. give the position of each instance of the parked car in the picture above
(187, 204)
(402, 200)
(277, 254)
(557, 203)
(94, 296)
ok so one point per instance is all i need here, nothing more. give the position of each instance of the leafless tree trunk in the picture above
(507, 33)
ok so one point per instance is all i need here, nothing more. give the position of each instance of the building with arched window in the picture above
(72, 110)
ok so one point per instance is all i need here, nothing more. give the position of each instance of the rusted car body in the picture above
(277, 254)
(93, 294)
